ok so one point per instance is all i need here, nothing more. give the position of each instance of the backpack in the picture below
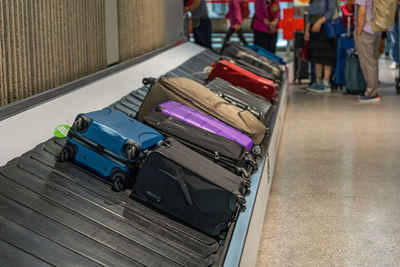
(383, 15)
(244, 6)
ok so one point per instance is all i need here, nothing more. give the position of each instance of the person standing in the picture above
(235, 19)
(265, 23)
(201, 23)
(322, 50)
(367, 44)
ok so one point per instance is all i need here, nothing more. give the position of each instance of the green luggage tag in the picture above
(61, 131)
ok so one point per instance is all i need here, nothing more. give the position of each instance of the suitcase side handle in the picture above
(149, 80)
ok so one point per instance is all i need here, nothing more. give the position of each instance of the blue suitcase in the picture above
(110, 144)
(344, 44)
(264, 52)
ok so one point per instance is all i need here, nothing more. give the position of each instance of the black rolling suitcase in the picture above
(242, 98)
(245, 55)
(223, 151)
(188, 186)
(300, 65)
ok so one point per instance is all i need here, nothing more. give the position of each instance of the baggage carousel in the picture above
(54, 213)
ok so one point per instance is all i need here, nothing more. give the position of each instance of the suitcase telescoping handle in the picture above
(349, 25)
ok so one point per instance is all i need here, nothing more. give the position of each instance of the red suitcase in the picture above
(240, 77)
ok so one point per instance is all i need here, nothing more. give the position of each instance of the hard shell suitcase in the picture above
(265, 53)
(223, 151)
(344, 44)
(190, 187)
(198, 97)
(245, 79)
(201, 120)
(256, 70)
(242, 98)
(238, 52)
(355, 82)
(108, 143)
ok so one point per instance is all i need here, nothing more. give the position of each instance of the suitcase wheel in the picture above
(131, 150)
(67, 153)
(80, 124)
(120, 180)
(256, 150)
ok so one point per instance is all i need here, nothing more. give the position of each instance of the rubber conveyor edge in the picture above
(76, 219)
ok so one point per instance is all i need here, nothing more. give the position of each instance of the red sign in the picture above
(289, 24)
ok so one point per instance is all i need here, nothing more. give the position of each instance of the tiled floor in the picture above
(335, 198)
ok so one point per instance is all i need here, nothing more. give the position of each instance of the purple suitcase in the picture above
(198, 119)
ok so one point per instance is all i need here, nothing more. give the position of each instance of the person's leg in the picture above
(197, 35)
(318, 72)
(327, 75)
(227, 38)
(395, 42)
(388, 43)
(368, 50)
(381, 48)
(272, 38)
(260, 39)
(271, 42)
(208, 31)
(241, 36)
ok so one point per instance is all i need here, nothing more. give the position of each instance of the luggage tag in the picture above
(61, 131)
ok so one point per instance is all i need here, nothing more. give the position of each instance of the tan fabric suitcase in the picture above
(195, 95)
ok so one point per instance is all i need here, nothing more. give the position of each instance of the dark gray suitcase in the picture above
(190, 187)
(243, 54)
(223, 151)
(242, 98)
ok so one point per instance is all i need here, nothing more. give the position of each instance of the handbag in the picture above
(334, 27)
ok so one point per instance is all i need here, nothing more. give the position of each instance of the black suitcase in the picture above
(243, 54)
(223, 151)
(188, 186)
(242, 98)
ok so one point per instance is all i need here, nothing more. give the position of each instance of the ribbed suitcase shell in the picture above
(201, 120)
(190, 187)
(99, 148)
(242, 98)
(239, 52)
(196, 96)
(256, 70)
(245, 79)
(223, 151)
(265, 53)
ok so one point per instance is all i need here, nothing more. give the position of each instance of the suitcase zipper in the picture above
(201, 106)
(225, 159)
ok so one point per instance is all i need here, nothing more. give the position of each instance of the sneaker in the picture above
(368, 99)
(394, 65)
(319, 88)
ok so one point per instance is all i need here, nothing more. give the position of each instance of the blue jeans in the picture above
(394, 33)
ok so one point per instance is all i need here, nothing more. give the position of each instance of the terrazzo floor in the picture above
(335, 197)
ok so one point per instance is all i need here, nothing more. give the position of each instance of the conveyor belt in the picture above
(55, 213)
(191, 68)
